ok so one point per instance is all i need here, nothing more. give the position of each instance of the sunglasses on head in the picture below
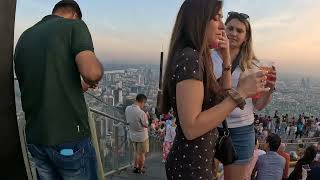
(241, 15)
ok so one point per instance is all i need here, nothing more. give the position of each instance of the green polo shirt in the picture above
(49, 80)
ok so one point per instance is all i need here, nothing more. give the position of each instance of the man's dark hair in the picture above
(141, 98)
(310, 154)
(274, 141)
(68, 4)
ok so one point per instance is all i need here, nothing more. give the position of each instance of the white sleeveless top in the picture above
(238, 117)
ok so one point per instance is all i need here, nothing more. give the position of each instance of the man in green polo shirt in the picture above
(50, 59)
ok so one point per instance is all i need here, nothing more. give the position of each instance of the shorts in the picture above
(243, 139)
(141, 147)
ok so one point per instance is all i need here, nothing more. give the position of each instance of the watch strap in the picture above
(237, 98)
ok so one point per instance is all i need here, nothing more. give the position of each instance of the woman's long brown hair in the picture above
(190, 30)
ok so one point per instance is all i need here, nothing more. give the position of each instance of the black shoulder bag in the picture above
(225, 151)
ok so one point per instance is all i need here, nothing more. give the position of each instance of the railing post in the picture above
(116, 148)
(128, 145)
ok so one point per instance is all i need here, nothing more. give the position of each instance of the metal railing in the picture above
(303, 140)
(108, 116)
(115, 147)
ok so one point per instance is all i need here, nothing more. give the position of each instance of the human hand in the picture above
(252, 82)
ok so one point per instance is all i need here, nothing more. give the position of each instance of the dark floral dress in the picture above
(190, 159)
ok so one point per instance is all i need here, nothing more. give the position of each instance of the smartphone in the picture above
(66, 152)
(306, 167)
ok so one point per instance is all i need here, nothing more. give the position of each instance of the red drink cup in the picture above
(267, 67)
(257, 96)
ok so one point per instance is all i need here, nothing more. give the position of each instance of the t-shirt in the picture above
(309, 122)
(270, 166)
(49, 80)
(138, 123)
(300, 126)
(238, 117)
(314, 173)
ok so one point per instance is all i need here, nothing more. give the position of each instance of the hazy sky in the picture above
(134, 31)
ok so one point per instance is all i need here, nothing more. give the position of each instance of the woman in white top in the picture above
(240, 122)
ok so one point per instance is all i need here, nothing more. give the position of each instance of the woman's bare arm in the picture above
(195, 123)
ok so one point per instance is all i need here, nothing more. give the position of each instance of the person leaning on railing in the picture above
(49, 59)
(138, 130)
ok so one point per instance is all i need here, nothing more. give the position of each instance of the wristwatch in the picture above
(237, 98)
(228, 68)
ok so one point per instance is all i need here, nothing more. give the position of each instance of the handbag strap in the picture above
(235, 64)
(225, 128)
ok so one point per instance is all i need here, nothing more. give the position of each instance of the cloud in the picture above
(274, 22)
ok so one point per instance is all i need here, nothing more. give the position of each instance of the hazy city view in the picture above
(294, 94)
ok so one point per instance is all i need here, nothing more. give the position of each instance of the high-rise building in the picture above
(116, 96)
(303, 83)
(109, 100)
(120, 96)
(139, 79)
(308, 84)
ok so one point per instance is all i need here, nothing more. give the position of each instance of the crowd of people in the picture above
(288, 127)
(270, 158)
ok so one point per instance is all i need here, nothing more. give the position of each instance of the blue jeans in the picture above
(51, 165)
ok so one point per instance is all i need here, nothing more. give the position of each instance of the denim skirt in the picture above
(243, 140)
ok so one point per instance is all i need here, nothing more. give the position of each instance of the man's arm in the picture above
(144, 119)
(254, 172)
(286, 169)
(88, 65)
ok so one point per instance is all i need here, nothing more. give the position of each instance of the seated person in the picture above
(307, 159)
(271, 165)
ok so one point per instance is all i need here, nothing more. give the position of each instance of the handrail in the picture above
(300, 139)
(108, 116)
(301, 143)
(99, 112)
(101, 101)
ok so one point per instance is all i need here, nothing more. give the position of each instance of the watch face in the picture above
(227, 68)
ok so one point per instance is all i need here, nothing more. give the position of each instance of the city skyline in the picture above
(136, 31)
